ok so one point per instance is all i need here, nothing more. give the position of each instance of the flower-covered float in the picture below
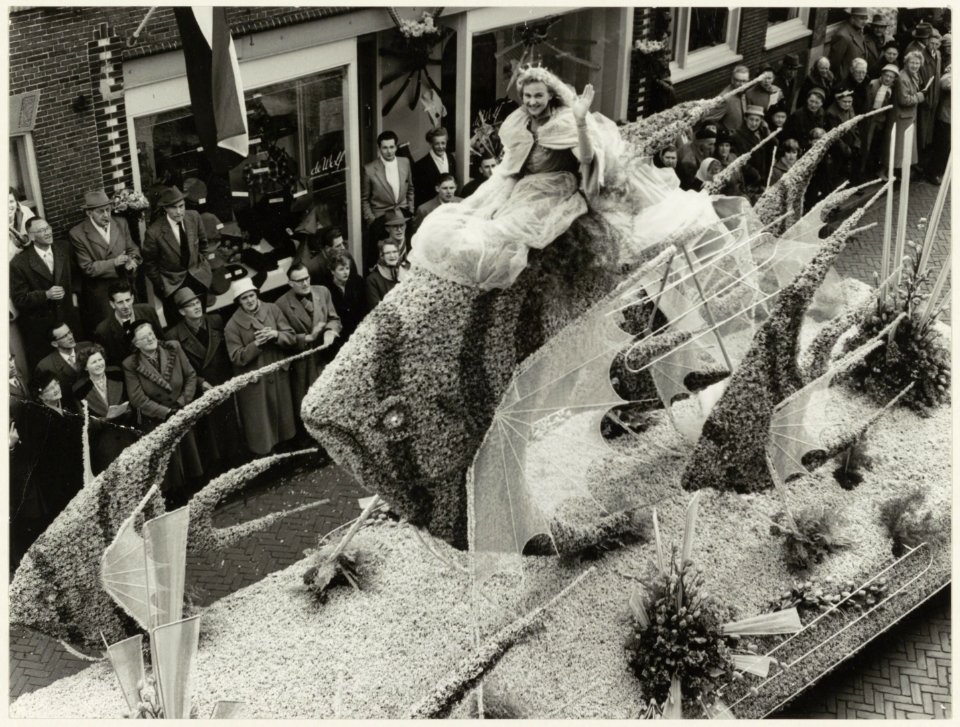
(726, 366)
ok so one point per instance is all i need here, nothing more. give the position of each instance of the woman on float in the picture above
(553, 163)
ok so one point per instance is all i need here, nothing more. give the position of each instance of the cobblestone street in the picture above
(905, 673)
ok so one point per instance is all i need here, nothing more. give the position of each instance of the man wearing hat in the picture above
(879, 94)
(849, 42)
(175, 250)
(692, 155)
(394, 228)
(201, 337)
(846, 149)
(788, 80)
(105, 252)
(256, 335)
(875, 40)
(748, 136)
(806, 118)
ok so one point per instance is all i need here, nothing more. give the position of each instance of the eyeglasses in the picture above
(42, 230)
(300, 280)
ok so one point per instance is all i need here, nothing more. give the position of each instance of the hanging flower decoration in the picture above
(129, 200)
(649, 47)
(414, 44)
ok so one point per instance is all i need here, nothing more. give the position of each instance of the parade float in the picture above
(682, 481)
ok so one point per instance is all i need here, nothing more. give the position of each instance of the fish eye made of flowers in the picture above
(533, 74)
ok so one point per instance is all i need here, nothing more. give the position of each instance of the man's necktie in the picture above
(184, 248)
(72, 360)
(307, 302)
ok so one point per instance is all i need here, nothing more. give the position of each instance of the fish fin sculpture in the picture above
(787, 194)
(56, 589)
(730, 454)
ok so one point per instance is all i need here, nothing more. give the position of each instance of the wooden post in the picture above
(934, 222)
(906, 158)
(706, 308)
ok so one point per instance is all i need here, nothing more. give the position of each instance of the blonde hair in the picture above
(539, 74)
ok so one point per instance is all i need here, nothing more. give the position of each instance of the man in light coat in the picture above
(387, 185)
(105, 252)
(309, 311)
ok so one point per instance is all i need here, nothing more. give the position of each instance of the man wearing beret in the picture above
(692, 155)
(846, 149)
(848, 43)
(175, 250)
(105, 253)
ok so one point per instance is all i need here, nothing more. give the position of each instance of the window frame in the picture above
(30, 171)
(687, 65)
(789, 30)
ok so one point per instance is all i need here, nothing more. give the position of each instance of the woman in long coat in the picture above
(906, 96)
(160, 381)
(256, 335)
(102, 389)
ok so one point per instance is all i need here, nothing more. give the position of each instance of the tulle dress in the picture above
(532, 198)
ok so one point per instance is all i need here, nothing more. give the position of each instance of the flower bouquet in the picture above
(414, 42)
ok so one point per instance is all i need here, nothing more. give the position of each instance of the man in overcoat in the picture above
(105, 252)
(849, 43)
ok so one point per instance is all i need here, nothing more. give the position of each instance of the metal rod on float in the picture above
(906, 159)
(934, 222)
(706, 308)
(888, 215)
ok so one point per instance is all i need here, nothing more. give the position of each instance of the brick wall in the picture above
(63, 52)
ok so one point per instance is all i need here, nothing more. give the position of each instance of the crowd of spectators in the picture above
(869, 65)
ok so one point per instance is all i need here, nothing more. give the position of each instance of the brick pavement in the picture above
(913, 652)
(905, 674)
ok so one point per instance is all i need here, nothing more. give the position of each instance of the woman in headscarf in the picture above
(708, 169)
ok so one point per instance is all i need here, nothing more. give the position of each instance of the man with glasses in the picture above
(310, 312)
(62, 363)
(41, 288)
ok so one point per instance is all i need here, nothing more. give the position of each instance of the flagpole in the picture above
(132, 40)
(906, 158)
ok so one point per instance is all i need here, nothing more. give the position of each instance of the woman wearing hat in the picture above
(160, 381)
(258, 334)
(907, 95)
(876, 128)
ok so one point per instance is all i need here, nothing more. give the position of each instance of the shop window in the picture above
(23, 171)
(297, 145)
(703, 39)
(785, 25)
(581, 47)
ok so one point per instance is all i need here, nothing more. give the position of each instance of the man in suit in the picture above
(446, 193)
(730, 114)
(310, 312)
(41, 288)
(432, 165)
(849, 43)
(175, 250)
(62, 362)
(105, 252)
(488, 162)
(387, 185)
(111, 332)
